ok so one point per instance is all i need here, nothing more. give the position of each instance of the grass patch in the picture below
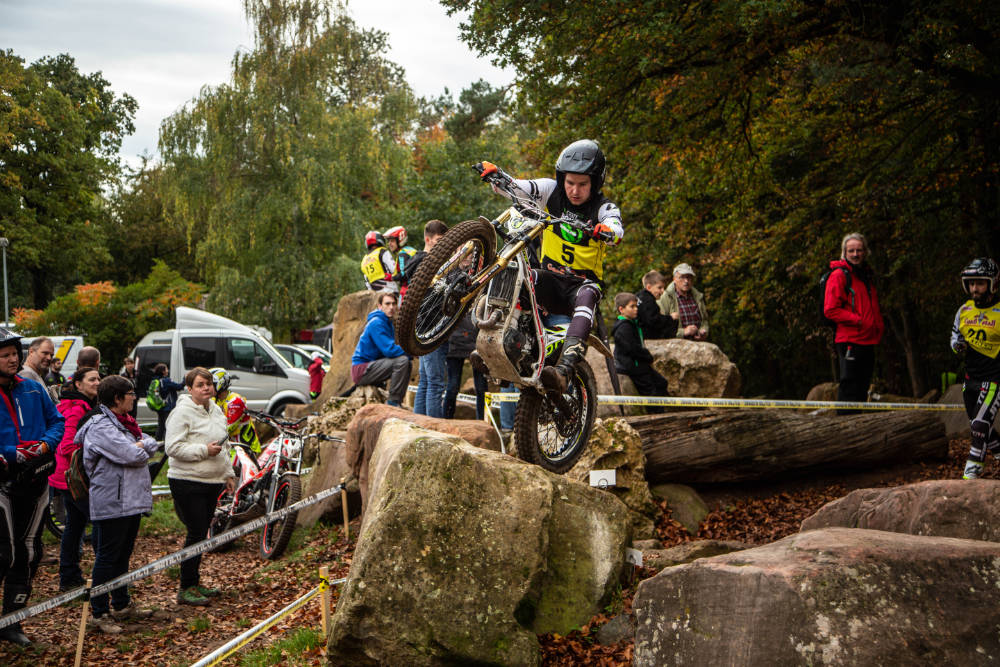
(163, 521)
(243, 623)
(199, 624)
(287, 651)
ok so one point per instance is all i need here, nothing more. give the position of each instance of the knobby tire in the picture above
(422, 324)
(534, 414)
(274, 538)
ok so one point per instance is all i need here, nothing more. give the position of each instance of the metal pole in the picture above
(6, 313)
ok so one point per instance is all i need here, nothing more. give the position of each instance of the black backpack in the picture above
(822, 294)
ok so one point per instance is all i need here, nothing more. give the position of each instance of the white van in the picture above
(260, 373)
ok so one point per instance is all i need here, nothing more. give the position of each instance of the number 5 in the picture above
(567, 253)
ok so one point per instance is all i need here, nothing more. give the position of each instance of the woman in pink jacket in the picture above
(77, 400)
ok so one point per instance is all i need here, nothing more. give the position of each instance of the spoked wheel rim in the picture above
(558, 433)
(442, 303)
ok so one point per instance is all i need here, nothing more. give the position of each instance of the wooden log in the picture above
(743, 445)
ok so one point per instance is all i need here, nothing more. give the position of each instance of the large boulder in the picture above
(968, 509)
(687, 552)
(831, 596)
(602, 375)
(614, 445)
(348, 323)
(695, 368)
(465, 554)
(328, 470)
(365, 427)
(686, 506)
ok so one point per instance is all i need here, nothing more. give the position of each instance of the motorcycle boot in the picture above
(15, 598)
(557, 378)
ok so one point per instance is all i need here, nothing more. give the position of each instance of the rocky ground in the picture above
(255, 589)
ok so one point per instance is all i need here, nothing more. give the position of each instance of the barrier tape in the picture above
(235, 644)
(166, 561)
(757, 403)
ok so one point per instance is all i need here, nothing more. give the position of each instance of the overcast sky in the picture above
(163, 51)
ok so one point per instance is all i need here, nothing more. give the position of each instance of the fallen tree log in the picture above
(734, 446)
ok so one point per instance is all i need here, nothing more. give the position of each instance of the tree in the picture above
(287, 165)
(60, 131)
(747, 138)
(113, 318)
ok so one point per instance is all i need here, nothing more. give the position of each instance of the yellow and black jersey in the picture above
(979, 330)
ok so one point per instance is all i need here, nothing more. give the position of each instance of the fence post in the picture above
(324, 596)
(343, 504)
(83, 627)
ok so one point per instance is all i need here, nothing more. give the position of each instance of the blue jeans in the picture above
(113, 540)
(507, 410)
(77, 517)
(430, 390)
(454, 380)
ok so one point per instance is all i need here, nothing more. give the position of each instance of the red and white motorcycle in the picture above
(265, 483)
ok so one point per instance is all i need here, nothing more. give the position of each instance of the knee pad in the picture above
(588, 295)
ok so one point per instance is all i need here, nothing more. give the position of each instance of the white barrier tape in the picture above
(235, 644)
(166, 561)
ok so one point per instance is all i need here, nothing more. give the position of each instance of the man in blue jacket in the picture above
(30, 429)
(377, 357)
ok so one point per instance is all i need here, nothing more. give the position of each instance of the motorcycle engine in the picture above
(519, 345)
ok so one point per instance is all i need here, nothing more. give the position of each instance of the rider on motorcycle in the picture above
(572, 263)
(239, 423)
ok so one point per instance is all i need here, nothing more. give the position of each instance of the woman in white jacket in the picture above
(196, 442)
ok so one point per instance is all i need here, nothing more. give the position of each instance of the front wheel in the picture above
(440, 292)
(551, 433)
(221, 522)
(276, 534)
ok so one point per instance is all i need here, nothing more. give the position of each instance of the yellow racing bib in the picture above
(371, 266)
(572, 248)
(980, 327)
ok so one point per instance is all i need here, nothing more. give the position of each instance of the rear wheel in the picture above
(55, 514)
(433, 304)
(276, 534)
(551, 434)
(221, 522)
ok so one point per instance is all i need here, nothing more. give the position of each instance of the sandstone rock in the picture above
(686, 506)
(364, 428)
(831, 596)
(605, 388)
(695, 368)
(614, 445)
(647, 545)
(658, 559)
(825, 391)
(328, 469)
(618, 628)
(466, 554)
(956, 423)
(967, 509)
(348, 323)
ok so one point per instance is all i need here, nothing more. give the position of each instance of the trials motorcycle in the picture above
(463, 270)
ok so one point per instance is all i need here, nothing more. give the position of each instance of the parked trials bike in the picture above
(265, 483)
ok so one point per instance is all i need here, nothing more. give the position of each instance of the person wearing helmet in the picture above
(30, 430)
(976, 333)
(851, 303)
(395, 238)
(378, 265)
(234, 406)
(569, 281)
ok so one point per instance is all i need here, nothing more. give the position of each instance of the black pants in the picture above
(114, 540)
(161, 424)
(856, 365)
(982, 402)
(649, 383)
(194, 503)
(454, 380)
(77, 518)
(21, 512)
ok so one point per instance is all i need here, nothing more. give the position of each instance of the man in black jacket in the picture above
(654, 323)
(631, 356)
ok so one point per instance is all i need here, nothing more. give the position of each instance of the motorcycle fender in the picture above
(596, 343)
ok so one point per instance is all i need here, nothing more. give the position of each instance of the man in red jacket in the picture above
(852, 304)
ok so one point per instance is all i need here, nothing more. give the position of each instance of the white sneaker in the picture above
(973, 470)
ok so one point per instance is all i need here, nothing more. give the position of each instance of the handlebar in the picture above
(497, 177)
(276, 421)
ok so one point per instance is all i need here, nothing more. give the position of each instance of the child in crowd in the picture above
(631, 356)
(976, 332)
(654, 324)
